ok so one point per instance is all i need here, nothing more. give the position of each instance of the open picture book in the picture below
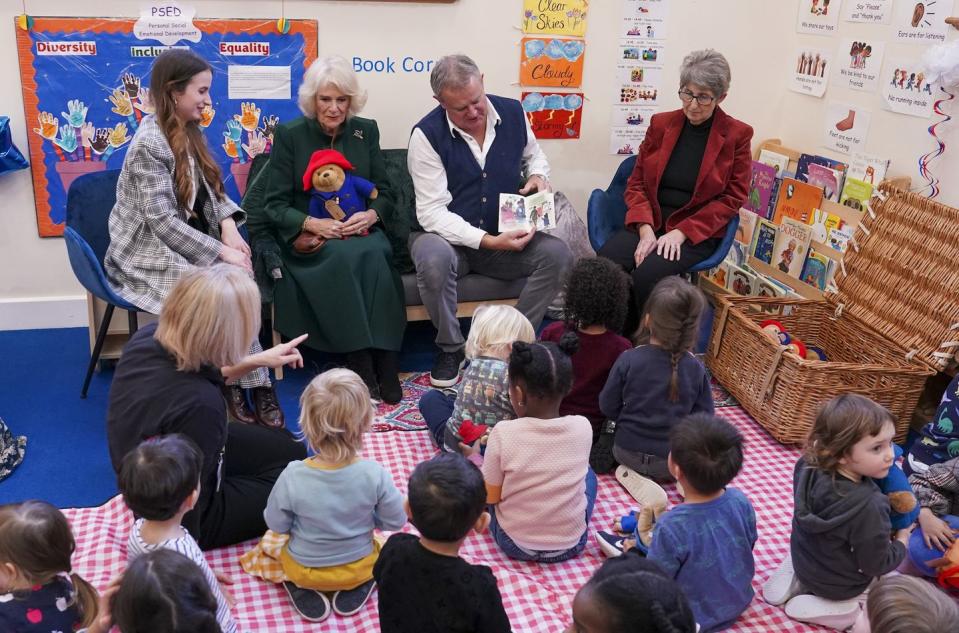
(522, 213)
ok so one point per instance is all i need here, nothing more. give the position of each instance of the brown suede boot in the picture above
(237, 406)
(267, 407)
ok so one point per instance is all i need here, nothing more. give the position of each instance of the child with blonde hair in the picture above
(482, 396)
(840, 532)
(329, 504)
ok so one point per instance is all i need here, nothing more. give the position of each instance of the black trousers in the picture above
(253, 460)
(620, 248)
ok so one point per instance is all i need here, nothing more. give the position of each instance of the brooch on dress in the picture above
(358, 134)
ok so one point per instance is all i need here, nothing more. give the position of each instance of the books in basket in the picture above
(822, 223)
(856, 193)
(764, 237)
(796, 200)
(792, 243)
(521, 213)
(761, 185)
(817, 269)
(805, 160)
(826, 178)
(741, 281)
(870, 169)
(747, 224)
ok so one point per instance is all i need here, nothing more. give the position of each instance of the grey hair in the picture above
(330, 71)
(452, 72)
(706, 68)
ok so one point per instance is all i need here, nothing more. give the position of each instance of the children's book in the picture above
(792, 243)
(870, 169)
(747, 224)
(741, 281)
(763, 239)
(839, 237)
(855, 193)
(805, 160)
(766, 287)
(827, 178)
(720, 274)
(524, 212)
(779, 162)
(822, 222)
(737, 253)
(796, 200)
(815, 269)
(761, 185)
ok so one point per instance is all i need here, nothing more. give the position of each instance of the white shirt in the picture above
(429, 179)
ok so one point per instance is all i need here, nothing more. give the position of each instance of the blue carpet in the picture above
(67, 462)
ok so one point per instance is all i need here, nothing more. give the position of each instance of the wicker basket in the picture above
(891, 325)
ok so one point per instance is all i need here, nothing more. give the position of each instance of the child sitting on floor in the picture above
(903, 604)
(653, 386)
(329, 504)
(539, 485)
(706, 543)
(597, 295)
(163, 591)
(482, 395)
(628, 594)
(938, 440)
(160, 482)
(38, 590)
(424, 586)
(840, 532)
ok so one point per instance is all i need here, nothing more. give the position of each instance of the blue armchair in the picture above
(606, 214)
(89, 202)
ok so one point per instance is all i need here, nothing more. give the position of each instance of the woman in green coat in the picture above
(347, 296)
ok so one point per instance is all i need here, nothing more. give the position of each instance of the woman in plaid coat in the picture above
(172, 213)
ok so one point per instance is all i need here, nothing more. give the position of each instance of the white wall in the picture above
(758, 37)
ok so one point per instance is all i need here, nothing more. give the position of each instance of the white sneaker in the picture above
(642, 489)
(835, 614)
(782, 584)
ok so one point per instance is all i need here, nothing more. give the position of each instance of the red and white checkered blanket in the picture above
(537, 596)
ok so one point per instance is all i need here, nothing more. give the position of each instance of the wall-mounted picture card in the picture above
(845, 127)
(858, 63)
(641, 54)
(653, 10)
(906, 90)
(552, 115)
(921, 22)
(555, 18)
(631, 116)
(811, 71)
(625, 141)
(818, 17)
(869, 11)
(551, 62)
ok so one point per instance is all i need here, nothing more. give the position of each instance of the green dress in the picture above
(347, 296)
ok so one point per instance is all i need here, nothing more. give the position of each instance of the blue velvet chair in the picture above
(89, 202)
(606, 214)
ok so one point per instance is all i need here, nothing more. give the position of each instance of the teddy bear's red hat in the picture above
(320, 158)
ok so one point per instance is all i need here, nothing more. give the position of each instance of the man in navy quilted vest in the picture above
(462, 156)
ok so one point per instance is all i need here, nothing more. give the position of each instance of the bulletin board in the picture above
(85, 88)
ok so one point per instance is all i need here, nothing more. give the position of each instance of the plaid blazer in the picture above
(151, 244)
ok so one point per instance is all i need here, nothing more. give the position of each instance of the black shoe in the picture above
(312, 605)
(601, 458)
(266, 407)
(361, 361)
(237, 406)
(387, 368)
(446, 368)
(351, 601)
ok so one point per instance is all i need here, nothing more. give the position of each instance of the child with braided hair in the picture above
(654, 385)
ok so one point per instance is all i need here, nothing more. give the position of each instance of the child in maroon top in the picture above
(597, 296)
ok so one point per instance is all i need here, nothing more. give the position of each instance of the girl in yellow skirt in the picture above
(323, 510)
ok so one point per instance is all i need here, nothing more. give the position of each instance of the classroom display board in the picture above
(85, 88)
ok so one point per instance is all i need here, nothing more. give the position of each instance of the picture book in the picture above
(737, 253)
(856, 193)
(761, 185)
(765, 287)
(839, 237)
(779, 162)
(815, 269)
(870, 169)
(741, 281)
(790, 247)
(763, 239)
(522, 213)
(827, 178)
(822, 222)
(720, 274)
(805, 160)
(747, 224)
(796, 200)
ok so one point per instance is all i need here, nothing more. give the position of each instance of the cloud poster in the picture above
(551, 63)
(556, 116)
(555, 17)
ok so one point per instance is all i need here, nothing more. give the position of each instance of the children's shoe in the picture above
(351, 601)
(601, 458)
(311, 605)
(782, 585)
(834, 614)
(611, 544)
(642, 489)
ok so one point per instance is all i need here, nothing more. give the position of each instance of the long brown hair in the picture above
(841, 423)
(674, 307)
(171, 73)
(36, 539)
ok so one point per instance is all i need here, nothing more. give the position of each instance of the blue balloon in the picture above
(554, 50)
(572, 50)
(533, 102)
(553, 102)
(572, 102)
(534, 48)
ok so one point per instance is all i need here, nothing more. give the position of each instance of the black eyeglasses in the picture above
(704, 100)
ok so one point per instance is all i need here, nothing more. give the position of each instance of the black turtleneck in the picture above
(679, 179)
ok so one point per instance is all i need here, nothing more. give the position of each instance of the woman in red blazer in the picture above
(691, 177)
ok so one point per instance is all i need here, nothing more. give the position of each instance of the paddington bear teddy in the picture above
(335, 193)
(904, 509)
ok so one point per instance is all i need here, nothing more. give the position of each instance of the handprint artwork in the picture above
(259, 140)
